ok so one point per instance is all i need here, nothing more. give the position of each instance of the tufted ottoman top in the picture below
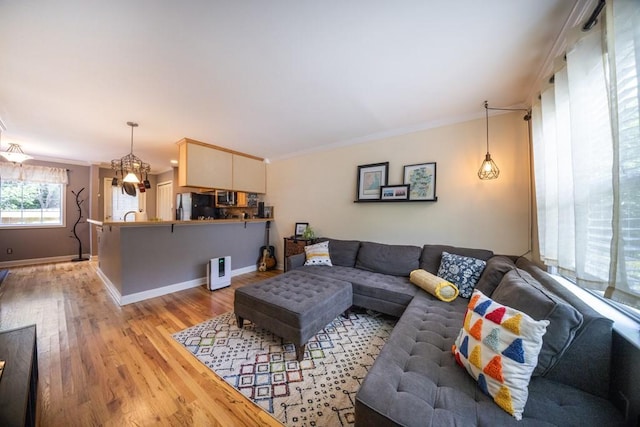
(296, 296)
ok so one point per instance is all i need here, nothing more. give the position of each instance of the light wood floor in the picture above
(105, 365)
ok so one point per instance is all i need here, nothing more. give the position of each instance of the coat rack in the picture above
(79, 204)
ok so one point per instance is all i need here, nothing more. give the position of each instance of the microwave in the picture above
(225, 198)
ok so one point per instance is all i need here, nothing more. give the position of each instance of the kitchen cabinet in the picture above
(208, 166)
(249, 174)
(201, 165)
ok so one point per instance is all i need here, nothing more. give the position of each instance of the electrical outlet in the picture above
(9, 251)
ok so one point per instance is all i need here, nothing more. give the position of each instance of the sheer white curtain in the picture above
(586, 134)
(623, 42)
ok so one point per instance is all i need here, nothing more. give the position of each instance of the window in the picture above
(586, 133)
(32, 196)
(28, 204)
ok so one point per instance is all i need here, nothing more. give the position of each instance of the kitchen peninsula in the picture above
(146, 259)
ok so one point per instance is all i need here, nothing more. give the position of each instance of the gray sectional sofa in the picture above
(415, 380)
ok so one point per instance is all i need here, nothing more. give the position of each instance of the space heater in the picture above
(219, 273)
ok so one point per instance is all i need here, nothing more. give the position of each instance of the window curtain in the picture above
(31, 173)
(586, 141)
(623, 42)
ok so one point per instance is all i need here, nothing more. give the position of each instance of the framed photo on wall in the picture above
(370, 179)
(421, 179)
(394, 192)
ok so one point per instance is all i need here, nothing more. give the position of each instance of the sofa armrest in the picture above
(295, 261)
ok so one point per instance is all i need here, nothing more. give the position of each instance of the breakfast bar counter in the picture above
(146, 259)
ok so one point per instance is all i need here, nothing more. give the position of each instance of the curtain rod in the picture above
(593, 19)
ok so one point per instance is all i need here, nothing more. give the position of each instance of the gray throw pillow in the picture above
(521, 291)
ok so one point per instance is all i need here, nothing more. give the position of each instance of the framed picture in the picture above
(370, 179)
(394, 192)
(300, 227)
(421, 179)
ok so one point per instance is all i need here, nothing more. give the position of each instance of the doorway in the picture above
(164, 201)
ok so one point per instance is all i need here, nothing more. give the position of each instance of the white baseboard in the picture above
(34, 261)
(158, 292)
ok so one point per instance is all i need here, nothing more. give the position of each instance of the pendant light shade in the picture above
(131, 177)
(488, 168)
(130, 166)
(15, 154)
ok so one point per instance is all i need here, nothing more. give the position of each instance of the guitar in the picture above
(267, 259)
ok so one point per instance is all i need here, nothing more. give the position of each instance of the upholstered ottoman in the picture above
(294, 306)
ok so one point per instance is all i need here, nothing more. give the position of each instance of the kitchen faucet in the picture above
(124, 218)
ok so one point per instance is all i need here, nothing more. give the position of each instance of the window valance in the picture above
(32, 173)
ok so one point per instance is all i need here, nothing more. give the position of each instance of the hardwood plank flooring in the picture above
(105, 365)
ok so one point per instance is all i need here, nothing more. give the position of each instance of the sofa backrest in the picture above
(586, 363)
(431, 255)
(397, 260)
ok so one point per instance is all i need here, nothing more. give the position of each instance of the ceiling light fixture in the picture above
(488, 168)
(130, 166)
(14, 153)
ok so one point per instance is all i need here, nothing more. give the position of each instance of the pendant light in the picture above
(130, 166)
(488, 168)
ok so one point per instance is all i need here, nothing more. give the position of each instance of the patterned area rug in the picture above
(318, 391)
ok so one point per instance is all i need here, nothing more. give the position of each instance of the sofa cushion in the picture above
(497, 267)
(416, 382)
(343, 252)
(436, 286)
(397, 260)
(317, 254)
(592, 345)
(462, 271)
(522, 292)
(432, 255)
(499, 347)
(393, 289)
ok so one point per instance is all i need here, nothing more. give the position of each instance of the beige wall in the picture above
(320, 188)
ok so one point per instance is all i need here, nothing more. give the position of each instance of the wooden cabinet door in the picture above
(249, 175)
(204, 167)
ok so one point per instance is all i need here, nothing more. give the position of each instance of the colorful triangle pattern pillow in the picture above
(499, 347)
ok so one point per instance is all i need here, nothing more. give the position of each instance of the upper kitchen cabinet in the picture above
(208, 166)
(201, 165)
(249, 174)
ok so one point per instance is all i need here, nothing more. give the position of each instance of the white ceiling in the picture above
(271, 78)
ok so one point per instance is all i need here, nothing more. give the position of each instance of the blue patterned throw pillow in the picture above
(462, 271)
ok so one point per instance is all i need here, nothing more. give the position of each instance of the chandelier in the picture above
(131, 166)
